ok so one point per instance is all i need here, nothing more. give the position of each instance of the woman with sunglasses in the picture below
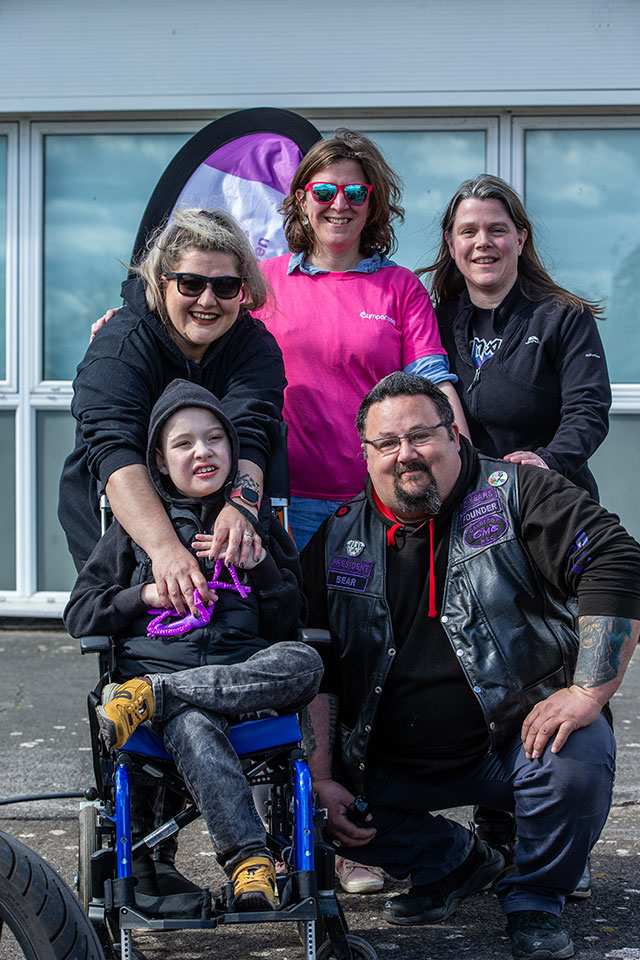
(185, 315)
(345, 316)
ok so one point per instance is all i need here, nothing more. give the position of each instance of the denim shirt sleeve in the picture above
(434, 367)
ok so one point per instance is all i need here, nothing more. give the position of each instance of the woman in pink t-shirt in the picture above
(344, 316)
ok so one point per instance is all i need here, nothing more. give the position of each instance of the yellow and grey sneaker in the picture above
(254, 884)
(124, 706)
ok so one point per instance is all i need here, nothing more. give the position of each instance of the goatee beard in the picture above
(425, 503)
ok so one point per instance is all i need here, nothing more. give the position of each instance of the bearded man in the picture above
(482, 614)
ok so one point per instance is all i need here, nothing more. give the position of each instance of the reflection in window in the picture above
(96, 190)
(3, 256)
(8, 501)
(54, 439)
(432, 165)
(583, 193)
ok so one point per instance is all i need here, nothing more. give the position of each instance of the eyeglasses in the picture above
(192, 285)
(354, 193)
(417, 438)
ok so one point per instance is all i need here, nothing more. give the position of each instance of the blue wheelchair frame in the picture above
(307, 894)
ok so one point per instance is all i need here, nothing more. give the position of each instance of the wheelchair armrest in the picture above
(95, 644)
(315, 637)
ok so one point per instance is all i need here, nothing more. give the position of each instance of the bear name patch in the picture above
(348, 573)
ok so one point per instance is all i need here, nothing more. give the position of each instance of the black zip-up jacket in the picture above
(546, 389)
(106, 596)
(124, 371)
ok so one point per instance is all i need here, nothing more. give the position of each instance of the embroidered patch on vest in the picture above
(481, 518)
(347, 573)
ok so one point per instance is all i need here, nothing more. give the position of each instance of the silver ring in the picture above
(248, 536)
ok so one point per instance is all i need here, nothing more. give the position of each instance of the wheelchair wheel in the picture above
(360, 949)
(87, 844)
(40, 919)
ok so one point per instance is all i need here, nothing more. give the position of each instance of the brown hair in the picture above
(384, 202)
(213, 231)
(535, 283)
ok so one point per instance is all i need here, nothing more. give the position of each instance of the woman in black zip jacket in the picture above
(532, 376)
(185, 315)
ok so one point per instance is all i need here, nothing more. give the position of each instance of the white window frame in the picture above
(626, 396)
(25, 391)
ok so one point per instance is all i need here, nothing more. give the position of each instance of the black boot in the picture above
(498, 829)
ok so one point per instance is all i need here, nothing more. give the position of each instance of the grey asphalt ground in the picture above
(44, 748)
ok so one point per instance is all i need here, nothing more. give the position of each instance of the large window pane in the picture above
(432, 165)
(582, 188)
(7, 501)
(3, 256)
(54, 440)
(616, 466)
(96, 189)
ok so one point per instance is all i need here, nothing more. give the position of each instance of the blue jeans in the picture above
(305, 516)
(194, 708)
(561, 803)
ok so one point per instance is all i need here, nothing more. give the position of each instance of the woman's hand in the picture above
(177, 575)
(526, 456)
(233, 540)
(99, 324)
(202, 547)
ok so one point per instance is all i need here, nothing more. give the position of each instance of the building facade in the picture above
(95, 99)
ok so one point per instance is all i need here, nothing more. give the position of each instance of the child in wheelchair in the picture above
(190, 679)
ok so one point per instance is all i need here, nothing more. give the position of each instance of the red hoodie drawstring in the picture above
(391, 542)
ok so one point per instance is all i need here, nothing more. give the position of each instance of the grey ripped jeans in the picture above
(194, 709)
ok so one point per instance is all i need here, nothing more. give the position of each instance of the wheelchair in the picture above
(272, 758)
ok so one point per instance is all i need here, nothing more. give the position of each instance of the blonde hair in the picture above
(213, 231)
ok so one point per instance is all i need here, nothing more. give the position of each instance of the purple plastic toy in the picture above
(159, 627)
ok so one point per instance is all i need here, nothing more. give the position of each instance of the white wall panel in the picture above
(62, 55)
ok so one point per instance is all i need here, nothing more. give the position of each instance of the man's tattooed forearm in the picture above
(309, 735)
(601, 642)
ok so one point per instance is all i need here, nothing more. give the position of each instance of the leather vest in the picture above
(514, 635)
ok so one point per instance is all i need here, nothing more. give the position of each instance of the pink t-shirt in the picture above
(340, 333)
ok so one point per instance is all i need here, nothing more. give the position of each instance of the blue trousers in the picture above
(193, 709)
(561, 803)
(306, 515)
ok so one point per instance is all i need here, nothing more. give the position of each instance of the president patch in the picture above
(349, 573)
(481, 518)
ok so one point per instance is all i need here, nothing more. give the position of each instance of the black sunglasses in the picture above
(192, 285)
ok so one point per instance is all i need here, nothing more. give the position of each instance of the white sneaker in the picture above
(357, 877)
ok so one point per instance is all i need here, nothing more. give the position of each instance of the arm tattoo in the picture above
(246, 480)
(601, 642)
(309, 731)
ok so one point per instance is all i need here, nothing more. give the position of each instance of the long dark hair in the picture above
(535, 283)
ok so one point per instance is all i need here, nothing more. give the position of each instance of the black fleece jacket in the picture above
(106, 596)
(546, 389)
(124, 371)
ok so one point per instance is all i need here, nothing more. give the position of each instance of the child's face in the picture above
(194, 452)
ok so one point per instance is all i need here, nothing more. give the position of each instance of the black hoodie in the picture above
(106, 595)
(126, 368)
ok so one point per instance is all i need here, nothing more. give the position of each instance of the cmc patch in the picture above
(481, 518)
(348, 573)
